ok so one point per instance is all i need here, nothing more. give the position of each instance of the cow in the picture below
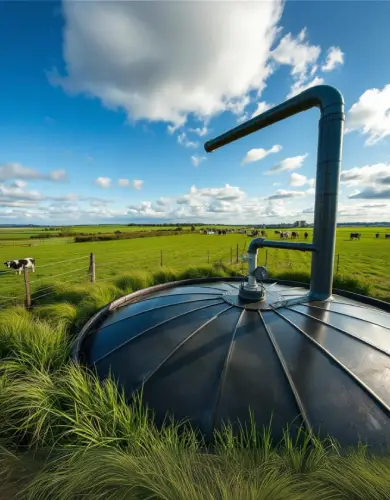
(21, 264)
(306, 235)
(277, 232)
(387, 236)
(284, 235)
(377, 235)
(294, 235)
(355, 236)
(263, 233)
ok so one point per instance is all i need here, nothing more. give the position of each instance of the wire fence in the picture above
(29, 287)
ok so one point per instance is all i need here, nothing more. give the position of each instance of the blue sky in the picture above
(106, 106)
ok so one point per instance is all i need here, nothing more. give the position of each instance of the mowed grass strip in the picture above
(367, 260)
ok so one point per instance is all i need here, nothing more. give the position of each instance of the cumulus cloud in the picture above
(199, 131)
(365, 176)
(334, 58)
(183, 140)
(288, 164)
(9, 171)
(371, 193)
(123, 182)
(262, 106)
(103, 182)
(137, 184)
(18, 183)
(284, 194)
(260, 153)
(300, 85)
(371, 115)
(298, 180)
(296, 52)
(196, 160)
(153, 63)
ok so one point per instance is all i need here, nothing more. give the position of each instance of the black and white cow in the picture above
(21, 264)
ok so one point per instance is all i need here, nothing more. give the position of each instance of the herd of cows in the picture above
(29, 262)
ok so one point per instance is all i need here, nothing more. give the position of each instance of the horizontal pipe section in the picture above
(257, 243)
(325, 97)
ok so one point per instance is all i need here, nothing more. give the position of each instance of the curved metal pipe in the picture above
(331, 104)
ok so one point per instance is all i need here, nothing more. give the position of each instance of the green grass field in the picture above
(61, 260)
(65, 436)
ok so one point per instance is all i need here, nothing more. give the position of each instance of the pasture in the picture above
(59, 260)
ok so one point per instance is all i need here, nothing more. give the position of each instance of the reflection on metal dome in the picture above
(204, 356)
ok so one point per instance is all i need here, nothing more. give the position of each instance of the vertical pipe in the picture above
(330, 138)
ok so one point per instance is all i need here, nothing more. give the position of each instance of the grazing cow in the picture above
(263, 233)
(294, 235)
(387, 236)
(277, 232)
(21, 264)
(355, 236)
(284, 235)
(377, 235)
(306, 236)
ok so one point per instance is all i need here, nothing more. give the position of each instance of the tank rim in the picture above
(145, 292)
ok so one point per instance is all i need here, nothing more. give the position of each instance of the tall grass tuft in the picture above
(129, 283)
(206, 271)
(33, 342)
(164, 275)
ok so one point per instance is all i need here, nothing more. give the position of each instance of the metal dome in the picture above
(210, 350)
(201, 353)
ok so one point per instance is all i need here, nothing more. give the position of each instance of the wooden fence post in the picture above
(92, 267)
(237, 254)
(161, 258)
(27, 286)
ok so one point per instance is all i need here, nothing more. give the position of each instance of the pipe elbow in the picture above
(255, 244)
(327, 98)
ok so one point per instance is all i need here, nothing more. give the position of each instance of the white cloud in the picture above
(260, 153)
(284, 194)
(103, 182)
(288, 164)
(183, 140)
(10, 171)
(277, 184)
(199, 131)
(153, 63)
(296, 52)
(366, 175)
(371, 115)
(19, 184)
(334, 58)
(372, 193)
(262, 106)
(298, 180)
(300, 85)
(123, 182)
(137, 184)
(196, 160)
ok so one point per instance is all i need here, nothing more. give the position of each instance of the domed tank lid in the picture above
(321, 364)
